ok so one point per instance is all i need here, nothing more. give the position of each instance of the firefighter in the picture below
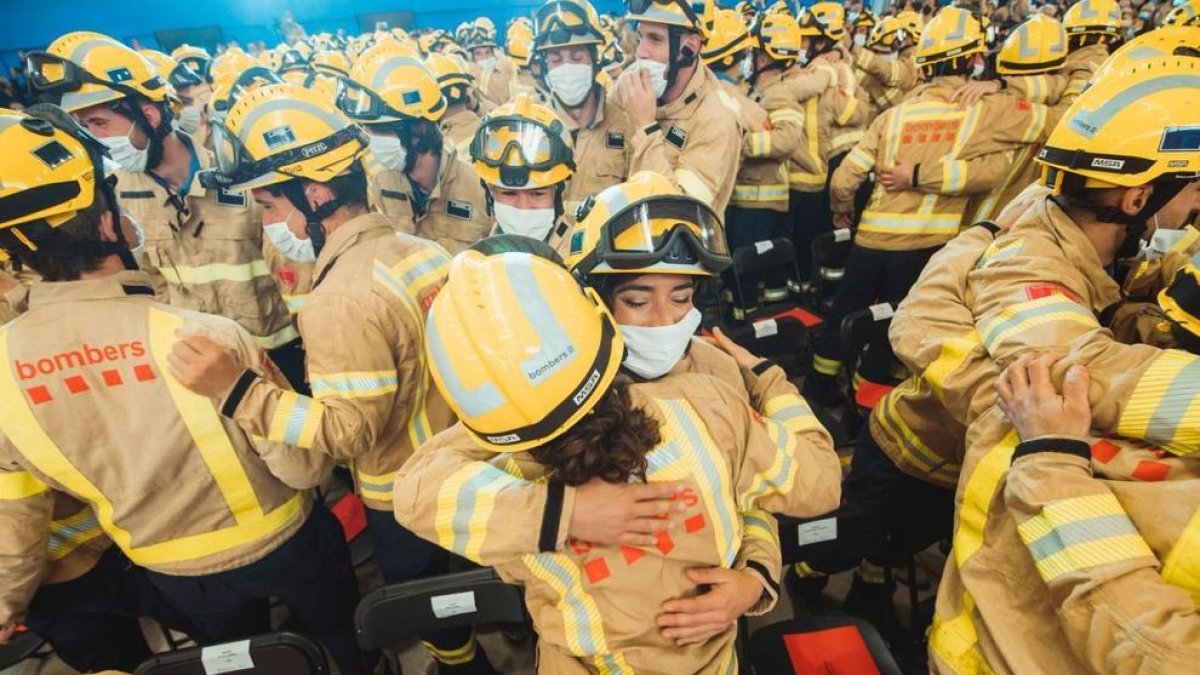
(681, 128)
(567, 46)
(417, 179)
(204, 247)
(460, 120)
(495, 75)
(1093, 31)
(885, 65)
(524, 159)
(241, 528)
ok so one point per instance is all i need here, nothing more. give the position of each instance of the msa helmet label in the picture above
(279, 136)
(1102, 163)
(586, 389)
(507, 439)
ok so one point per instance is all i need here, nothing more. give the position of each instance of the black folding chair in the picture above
(858, 330)
(271, 654)
(388, 616)
(829, 253)
(759, 259)
(829, 644)
(785, 338)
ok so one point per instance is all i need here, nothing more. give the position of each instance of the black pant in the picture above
(871, 276)
(310, 573)
(92, 621)
(744, 227)
(914, 514)
(289, 359)
(809, 215)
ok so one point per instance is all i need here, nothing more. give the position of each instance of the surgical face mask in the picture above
(658, 75)
(1162, 241)
(652, 352)
(389, 151)
(189, 119)
(860, 40)
(138, 247)
(977, 70)
(802, 59)
(487, 64)
(570, 82)
(123, 152)
(748, 68)
(532, 223)
(291, 246)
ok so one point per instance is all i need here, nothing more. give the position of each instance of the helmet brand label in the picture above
(586, 389)
(1105, 163)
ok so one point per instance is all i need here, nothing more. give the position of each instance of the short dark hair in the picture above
(68, 262)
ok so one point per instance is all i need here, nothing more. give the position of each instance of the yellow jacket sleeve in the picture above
(854, 169)
(760, 554)
(26, 506)
(705, 167)
(787, 127)
(949, 176)
(1118, 613)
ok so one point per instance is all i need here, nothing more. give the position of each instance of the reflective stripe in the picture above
(793, 412)
(918, 455)
(359, 384)
(475, 402)
(980, 489)
(956, 642)
(665, 463)
(378, 488)
(710, 470)
(781, 475)
(612, 664)
(860, 158)
(848, 112)
(1037, 124)
(951, 356)
(453, 657)
(583, 630)
(760, 143)
(1089, 122)
(757, 524)
(843, 140)
(277, 339)
(296, 420)
(694, 185)
(802, 178)
(206, 274)
(1075, 534)
(1021, 317)
(465, 503)
(954, 176)
(295, 303)
(1182, 566)
(786, 115)
(911, 223)
(21, 485)
(760, 193)
(812, 133)
(21, 427)
(826, 366)
(1165, 405)
(997, 252)
(70, 533)
(729, 662)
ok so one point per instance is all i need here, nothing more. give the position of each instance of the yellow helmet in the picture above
(778, 36)
(1183, 14)
(679, 13)
(747, 11)
(566, 22)
(646, 225)
(1181, 303)
(270, 58)
(865, 19)
(295, 59)
(522, 145)
(196, 58)
(226, 90)
(453, 77)
(178, 75)
(913, 23)
(1093, 17)
(953, 33)
(279, 132)
(52, 171)
(549, 355)
(518, 43)
(229, 63)
(82, 69)
(888, 34)
(1130, 128)
(389, 83)
(479, 35)
(332, 63)
(1162, 42)
(1039, 45)
(824, 19)
(728, 39)
(485, 24)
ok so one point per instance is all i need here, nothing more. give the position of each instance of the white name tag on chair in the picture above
(843, 234)
(453, 604)
(231, 657)
(817, 531)
(765, 328)
(763, 246)
(882, 311)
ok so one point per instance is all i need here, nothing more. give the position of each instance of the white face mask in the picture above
(570, 82)
(860, 40)
(1162, 241)
(802, 59)
(137, 248)
(658, 75)
(487, 64)
(748, 67)
(653, 352)
(189, 119)
(389, 151)
(977, 71)
(291, 246)
(532, 223)
(124, 153)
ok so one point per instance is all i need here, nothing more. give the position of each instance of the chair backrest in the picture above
(389, 615)
(829, 252)
(764, 255)
(860, 327)
(265, 654)
(22, 646)
(833, 542)
(781, 337)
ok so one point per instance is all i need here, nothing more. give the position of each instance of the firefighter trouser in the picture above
(310, 573)
(872, 276)
(92, 621)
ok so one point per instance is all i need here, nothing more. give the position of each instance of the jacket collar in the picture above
(367, 226)
(123, 284)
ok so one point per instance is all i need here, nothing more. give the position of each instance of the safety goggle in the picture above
(197, 64)
(518, 142)
(640, 7)
(51, 74)
(560, 22)
(249, 79)
(364, 105)
(184, 76)
(664, 229)
(234, 165)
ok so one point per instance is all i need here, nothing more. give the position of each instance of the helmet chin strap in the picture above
(293, 190)
(130, 108)
(678, 58)
(1135, 224)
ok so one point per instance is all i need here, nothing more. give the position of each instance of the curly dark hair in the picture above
(610, 443)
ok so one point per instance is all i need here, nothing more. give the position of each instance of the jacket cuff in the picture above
(234, 398)
(556, 516)
(1061, 444)
(770, 593)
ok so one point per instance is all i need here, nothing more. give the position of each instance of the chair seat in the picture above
(21, 647)
(869, 394)
(821, 645)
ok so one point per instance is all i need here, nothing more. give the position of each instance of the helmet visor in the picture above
(361, 104)
(52, 74)
(563, 23)
(651, 231)
(518, 142)
(235, 166)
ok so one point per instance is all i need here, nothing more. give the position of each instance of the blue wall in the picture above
(28, 24)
